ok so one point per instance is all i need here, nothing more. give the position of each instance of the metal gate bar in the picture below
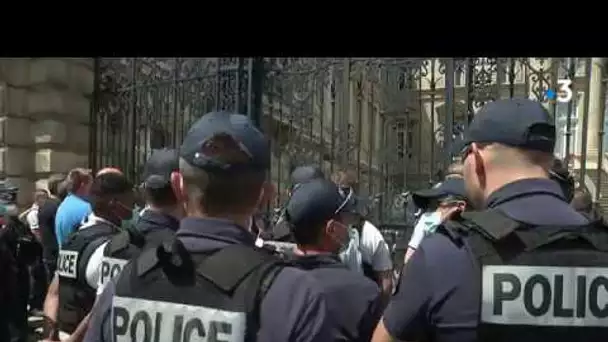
(394, 121)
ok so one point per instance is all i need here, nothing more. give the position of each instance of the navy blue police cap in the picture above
(450, 187)
(514, 122)
(158, 168)
(225, 142)
(305, 173)
(315, 202)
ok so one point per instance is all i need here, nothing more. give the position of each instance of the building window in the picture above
(459, 78)
(401, 82)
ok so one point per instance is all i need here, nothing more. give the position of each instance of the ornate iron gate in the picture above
(393, 120)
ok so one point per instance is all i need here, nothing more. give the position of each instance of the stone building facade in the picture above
(45, 106)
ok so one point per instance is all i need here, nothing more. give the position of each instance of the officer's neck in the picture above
(108, 217)
(495, 183)
(173, 211)
(312, 250)
(242, 220)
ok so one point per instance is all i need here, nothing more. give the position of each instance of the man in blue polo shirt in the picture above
(75, 207)
(507, 155)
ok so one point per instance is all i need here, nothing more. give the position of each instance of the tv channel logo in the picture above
(563, 93)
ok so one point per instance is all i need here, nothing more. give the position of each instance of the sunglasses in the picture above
(347, 193)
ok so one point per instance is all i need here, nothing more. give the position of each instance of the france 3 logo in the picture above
(562, 95)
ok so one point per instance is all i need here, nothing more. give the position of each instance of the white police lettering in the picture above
(110, 268)
(547, 296)
(155, 321)
(67, 264)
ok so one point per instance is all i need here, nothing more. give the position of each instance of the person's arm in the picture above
(381, 262)
(51, 306)
(81, 329)
(417, 236)
(33, 223)
(405, 318)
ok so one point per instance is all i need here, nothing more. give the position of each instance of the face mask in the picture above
(9, 209)
(130, 222)
(430, 221)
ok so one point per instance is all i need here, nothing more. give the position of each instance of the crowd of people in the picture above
(505, 247)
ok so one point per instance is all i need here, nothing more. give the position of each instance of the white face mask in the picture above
(430, 221)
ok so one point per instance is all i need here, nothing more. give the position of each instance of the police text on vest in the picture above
(110, 268)
(155, 321)
(67, 264)
(547, 296)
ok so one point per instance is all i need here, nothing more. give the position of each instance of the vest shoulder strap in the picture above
(240, 260)
(492, 223)
(119, 242)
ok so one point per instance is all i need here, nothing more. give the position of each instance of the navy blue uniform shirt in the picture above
(353, 300)
(435, 298)
(294, 308)
(155, 224)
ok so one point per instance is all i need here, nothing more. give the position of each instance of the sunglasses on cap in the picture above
(347, 193)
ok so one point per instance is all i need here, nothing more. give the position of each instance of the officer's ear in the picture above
(480, 169)
(267, 194)
(330, 227)
(177, 185)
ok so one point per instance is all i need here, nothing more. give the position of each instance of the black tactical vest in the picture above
(542, 283)
(172, 295)
(125, 246)
(76, 296)
(119, 250)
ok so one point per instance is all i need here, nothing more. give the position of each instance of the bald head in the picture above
(106, 170)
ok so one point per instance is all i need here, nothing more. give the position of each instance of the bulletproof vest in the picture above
(541, 283)
(125, 246)
(173, 295)
(76, 296)
(120, 249)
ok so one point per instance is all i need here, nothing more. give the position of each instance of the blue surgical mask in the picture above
(430, 221)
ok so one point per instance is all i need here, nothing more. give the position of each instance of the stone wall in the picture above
(44, 118)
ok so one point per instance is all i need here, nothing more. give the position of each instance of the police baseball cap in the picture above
(305, 173)
(158, 168)
(315, 202)
(520, 123)
(225, 142)
(450, 187)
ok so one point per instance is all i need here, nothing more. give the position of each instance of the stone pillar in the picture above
(595, 107)
(44, 118)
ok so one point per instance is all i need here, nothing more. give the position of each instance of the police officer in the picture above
(317, 213)
(211, 282)
(80, 257)
(300, 175)
(508, 292)
(155, 225)
(438, 205)
(18, 249)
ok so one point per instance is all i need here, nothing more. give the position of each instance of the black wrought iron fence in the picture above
(393, 120)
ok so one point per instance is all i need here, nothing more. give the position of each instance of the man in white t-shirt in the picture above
(367, 251)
